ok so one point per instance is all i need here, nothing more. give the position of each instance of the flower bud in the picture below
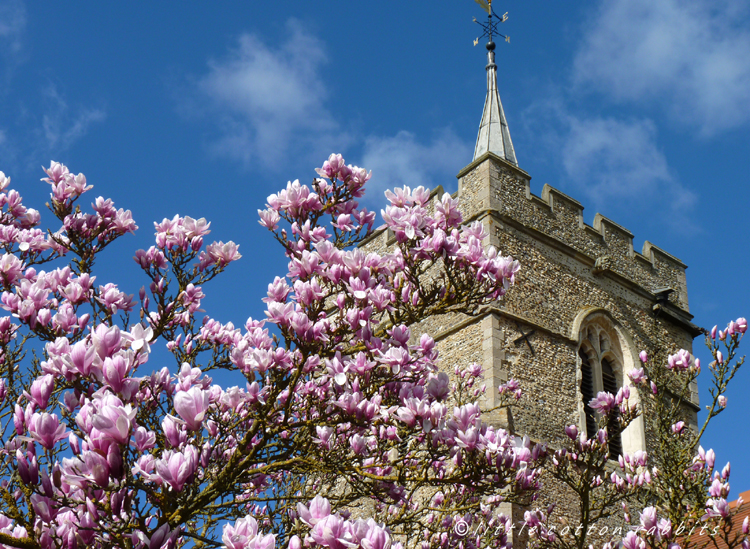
(741, 324)
(725, 471)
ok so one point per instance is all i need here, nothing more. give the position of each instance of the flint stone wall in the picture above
(570, 270)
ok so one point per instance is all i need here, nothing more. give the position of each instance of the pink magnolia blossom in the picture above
(46, 429)
(114, 419)
(176, 468)
(603, 402)
(741, 325)
(717, 507)
(192, 406)
(318, 509)
(41, 390)
(679, 361)
(223, 254)
(162, 538)
(243, 534)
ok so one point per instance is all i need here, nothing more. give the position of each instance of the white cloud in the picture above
(691, 57)
(268, 101)
(614, 157)
(609, 160)
(401, 160)
(59, 128)
(12, 26)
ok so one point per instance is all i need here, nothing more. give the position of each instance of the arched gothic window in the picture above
(601, 367)
(587, 391)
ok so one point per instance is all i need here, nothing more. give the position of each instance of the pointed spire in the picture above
(494, 135)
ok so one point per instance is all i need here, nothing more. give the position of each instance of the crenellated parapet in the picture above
(557, 219)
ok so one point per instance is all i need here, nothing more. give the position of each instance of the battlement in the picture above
(557, 219)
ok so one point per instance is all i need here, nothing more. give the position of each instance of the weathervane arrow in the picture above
(485, 6)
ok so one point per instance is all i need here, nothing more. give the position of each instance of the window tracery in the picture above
(602, 365)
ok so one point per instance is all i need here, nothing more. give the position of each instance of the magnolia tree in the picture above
(678, 497)
(340, 430)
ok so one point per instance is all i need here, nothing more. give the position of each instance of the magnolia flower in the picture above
(717, 507)
(223, 254)
(741, 324)
(41, 390)
(438, 386)
(176, 468)
(637, 376)
(603, 402)
(679, 361)
(632, 541)
(141, 338)
(192, 405)
(243, 534)
(162, 538)
(46, 429)
(113, 418)
(649, 519)
(319, 509)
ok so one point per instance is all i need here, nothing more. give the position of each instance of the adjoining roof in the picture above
(494, 135)
(704, 541)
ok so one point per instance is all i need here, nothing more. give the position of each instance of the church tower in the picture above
(584, 304)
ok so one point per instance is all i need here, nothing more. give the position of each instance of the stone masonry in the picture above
(581, 287)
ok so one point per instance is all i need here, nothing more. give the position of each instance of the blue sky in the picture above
(639, 109)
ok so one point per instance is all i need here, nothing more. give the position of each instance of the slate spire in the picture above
(494, 135)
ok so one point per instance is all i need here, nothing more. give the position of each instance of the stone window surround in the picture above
(622, 356)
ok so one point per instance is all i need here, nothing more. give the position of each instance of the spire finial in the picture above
(494, 135)
(490, 27)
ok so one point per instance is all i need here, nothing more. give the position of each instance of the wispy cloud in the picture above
(12, 29)
(12, 26)
(44, 133)
(402, 160)
(268, 101)
(62, 126)
(608, 159)
(691, 57)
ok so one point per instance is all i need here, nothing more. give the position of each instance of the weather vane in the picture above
(490, 27)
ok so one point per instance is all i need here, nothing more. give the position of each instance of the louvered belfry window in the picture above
(587, 392)
(603, 363)
(609, 382)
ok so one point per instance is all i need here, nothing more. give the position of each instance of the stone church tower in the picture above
(585, 303)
